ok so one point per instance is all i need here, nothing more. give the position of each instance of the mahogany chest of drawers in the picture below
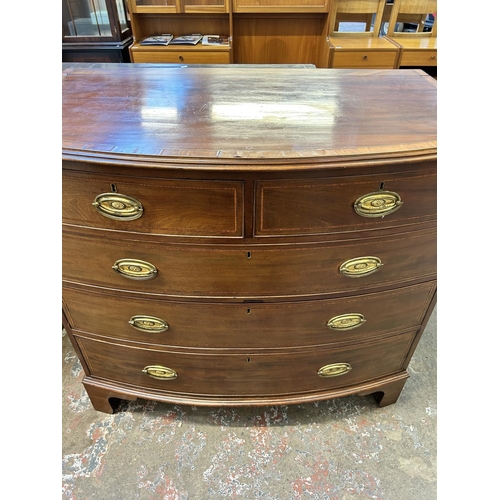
(243, 236)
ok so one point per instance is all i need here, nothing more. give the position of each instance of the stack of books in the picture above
(215, 40)
(157, 40)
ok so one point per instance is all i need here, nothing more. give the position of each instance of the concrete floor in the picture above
(343, 449)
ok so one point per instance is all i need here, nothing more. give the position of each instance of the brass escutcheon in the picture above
(378, 204)
(148, 324)
(135, 269)
(160, 372)
(360, 266)
(118, 206)
(345, 322)
(334, 370)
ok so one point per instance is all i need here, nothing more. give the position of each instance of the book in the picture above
(157, 40)
(186, 40)
(215, 40)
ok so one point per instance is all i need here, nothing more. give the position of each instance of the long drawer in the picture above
(247, 326)
(367, 59)
(257, 271)
(418, 58)
(140, 55)
(154, 206)
(251, 374)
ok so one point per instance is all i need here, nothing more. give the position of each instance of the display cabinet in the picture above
(180, 17)
(354, 36)
(95, 31)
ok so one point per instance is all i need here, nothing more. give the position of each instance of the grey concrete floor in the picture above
(342, 449)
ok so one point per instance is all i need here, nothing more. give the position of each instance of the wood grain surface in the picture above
(232, 115)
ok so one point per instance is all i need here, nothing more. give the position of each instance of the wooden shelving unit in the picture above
(180, 17)
(264, 32)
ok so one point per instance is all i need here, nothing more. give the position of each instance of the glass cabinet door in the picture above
(283, 6)
(154, 6)
(123, 23)
(205, 5)
(178, 6)
(94, 20)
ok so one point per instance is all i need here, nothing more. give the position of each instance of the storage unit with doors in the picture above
(418, 47)
(265, 236)
(95, 31)
(362, 48)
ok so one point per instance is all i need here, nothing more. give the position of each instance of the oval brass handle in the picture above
(378, 204)
(360, 266)
(118, 206)
(148, 324)
(346, 322)
(334, 370)
(160, 372)
(135, 269)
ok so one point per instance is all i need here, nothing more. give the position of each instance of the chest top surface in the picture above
(149, 113)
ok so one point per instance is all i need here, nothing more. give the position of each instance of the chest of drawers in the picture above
(247, 237)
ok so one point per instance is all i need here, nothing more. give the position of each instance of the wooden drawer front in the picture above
(418, 58)
(368, 59)
(258, 374)
(327, 205)
(237, 271)
(170, 207)
(184, 57)
(248, 325)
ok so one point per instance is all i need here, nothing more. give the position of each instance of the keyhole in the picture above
(249, 255)
(249, 360)
(382, 184)
(114, 189)
(249, 311)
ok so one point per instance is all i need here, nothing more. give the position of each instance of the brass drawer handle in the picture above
(135, 269)
(334, 370)
(346, 322)
(378, 204)
(148, 324)
(118, 206)
(160, 372)
(360, 266)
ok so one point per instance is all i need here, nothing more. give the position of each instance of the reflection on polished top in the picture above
(144, 112)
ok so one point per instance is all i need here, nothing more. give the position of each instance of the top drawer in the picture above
(154, 206)
(336, 205)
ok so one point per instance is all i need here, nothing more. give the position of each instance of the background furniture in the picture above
(280, 31)
(324, 33)
(247, 236)
(95, 30)
(360, 49)
(268, 32)
(185, 17)
(418, 48)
